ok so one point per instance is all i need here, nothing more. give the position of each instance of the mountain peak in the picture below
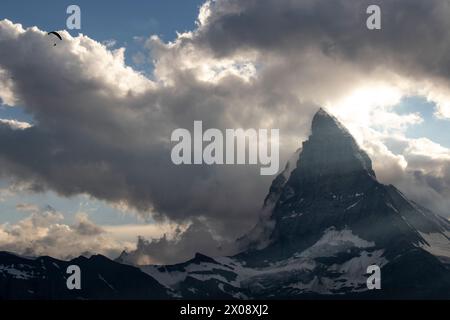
(324, 123)
(331, 151)
(323, 112)
(330, 159)
(333, 196)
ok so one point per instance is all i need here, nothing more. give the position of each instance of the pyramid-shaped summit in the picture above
(334, 185)
(331, 149)
(324, 124)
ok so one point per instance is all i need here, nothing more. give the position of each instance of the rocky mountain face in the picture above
(45, 278)
(325, 220)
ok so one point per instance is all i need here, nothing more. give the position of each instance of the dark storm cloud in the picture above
(414, 35)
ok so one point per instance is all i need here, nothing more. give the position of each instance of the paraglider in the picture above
(56, 34)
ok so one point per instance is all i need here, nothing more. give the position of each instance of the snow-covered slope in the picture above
(283, 278)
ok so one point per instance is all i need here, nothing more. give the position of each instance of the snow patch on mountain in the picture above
(333, 242)
(16, 273)
(352, 273)
(354, 270)
(438, 243)
(203, 272)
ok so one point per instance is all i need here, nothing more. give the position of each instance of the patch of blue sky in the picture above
(105, 20)
(434, 128)
(98, 211)
(15, 113)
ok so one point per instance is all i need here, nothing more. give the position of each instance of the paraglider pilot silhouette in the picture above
(55, 34)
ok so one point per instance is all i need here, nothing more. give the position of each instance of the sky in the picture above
(85, 125)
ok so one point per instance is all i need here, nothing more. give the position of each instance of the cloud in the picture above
(109, 43)
(6, 89)
(103, 129)
(338, 29)
(14, 124)
(44, 233)
(85, 227)
(130, 232)
(425, 174)
(5, 193)
(181, 246)
(13, 188)
(27, 207)
(413, 42)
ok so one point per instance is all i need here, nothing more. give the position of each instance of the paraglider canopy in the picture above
(56, 34)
